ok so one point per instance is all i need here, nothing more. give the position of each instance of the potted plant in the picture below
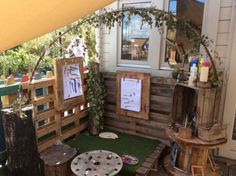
(96, 97)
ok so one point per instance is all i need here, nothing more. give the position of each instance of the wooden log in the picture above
(57, 160)
(23, 157)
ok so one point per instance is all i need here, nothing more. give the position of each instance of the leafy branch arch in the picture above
(154, 18)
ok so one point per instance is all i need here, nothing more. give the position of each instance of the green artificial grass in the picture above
(125, 144)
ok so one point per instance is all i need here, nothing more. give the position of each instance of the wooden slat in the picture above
(44, 145)
(161, 108)
(160, 117)
(58, 120)
(43, 100)
(70, 133)
(114, 116)
(161, 91)
(163, 82)
(166, 100)
(45, 114)
(83, 113)
(151, 132)
(77, 118)
(67, 120)
(42, 83)
(83, 126)
(118, 124)
(46, 129)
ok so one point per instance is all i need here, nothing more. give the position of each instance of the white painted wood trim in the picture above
(211, 19)
(228, 150)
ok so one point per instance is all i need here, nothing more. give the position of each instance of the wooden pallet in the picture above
(160, 110)
(52, 125)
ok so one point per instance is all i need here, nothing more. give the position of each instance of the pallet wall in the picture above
(52, 125)
(160, 109)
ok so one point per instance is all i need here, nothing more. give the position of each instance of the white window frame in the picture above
(157, 42)
(209, 27)
(154, 40)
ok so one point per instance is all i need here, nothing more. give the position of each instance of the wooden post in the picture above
(77, 118)
(23, 157)
(57, 160)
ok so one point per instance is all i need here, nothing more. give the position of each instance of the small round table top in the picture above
(97, 163)
(58, 154)
(194, 141)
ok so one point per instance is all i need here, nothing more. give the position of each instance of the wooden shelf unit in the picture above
(192, 155)
(197, 149)
(206, 101)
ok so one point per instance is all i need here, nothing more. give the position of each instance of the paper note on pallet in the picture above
(131, 94)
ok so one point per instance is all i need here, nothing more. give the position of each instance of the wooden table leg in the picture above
(194, 167)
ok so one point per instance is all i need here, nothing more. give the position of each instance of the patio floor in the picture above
(227, 166)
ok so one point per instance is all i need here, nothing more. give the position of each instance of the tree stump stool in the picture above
(57, 160)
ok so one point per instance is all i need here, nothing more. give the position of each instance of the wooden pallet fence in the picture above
(44, 113)
(52, 125)
(160, 109)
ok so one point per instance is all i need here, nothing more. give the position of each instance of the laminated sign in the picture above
(72, 81)
(131, 93)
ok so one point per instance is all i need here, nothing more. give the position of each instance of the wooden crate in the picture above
(206, 101)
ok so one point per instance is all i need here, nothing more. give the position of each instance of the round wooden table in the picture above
(97, 163)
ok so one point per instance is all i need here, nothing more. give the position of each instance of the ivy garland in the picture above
(96, 94)
(155, 18)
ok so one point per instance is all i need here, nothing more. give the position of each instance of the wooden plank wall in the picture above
(52, 125)
(160, 109)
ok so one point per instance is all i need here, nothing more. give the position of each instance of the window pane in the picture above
(135, 35)
(191, 10)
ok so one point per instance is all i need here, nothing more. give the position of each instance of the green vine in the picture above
(96, 94)
(155, 18)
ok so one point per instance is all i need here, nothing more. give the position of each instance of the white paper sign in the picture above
(131, 90)
(72, 81)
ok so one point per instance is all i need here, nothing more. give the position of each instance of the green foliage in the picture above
(24, 57)
(159, 19)
(17, 60)
(96, 94)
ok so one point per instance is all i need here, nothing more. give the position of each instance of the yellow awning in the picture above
(23, 20)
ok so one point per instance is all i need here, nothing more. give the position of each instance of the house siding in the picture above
(223, 32)
(109, 41)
